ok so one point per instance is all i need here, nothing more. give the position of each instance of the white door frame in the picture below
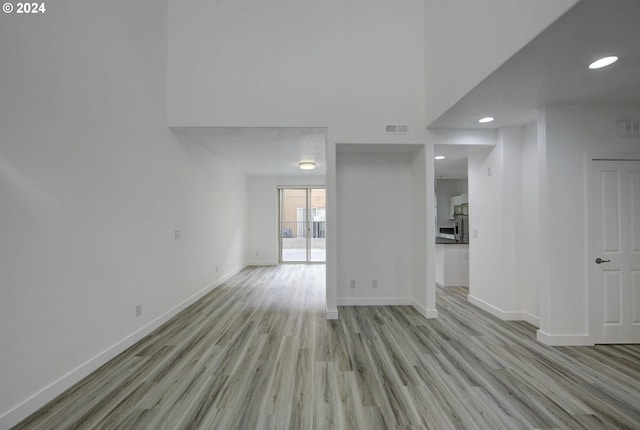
(308, 221)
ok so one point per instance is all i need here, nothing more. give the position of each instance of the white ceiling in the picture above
(263, 150)
(454, 166)
(552, 69)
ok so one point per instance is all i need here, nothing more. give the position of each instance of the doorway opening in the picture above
(302, 225)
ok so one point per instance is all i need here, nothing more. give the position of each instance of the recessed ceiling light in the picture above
(439, 157)
(603, 62)
(485, 120)
(307, 165)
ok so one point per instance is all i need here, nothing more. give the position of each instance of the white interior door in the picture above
(614, 242)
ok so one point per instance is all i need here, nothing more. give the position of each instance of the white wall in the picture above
(571, 136)
(263, 214)
(458, 35)
(331, 310)
(510, 140)
(374, 234)
(431, 311)
(504, 237)
(531, 217)
(93, 185)
(422, 245)
(452, 265)
(485, 223)
(351, 66)
(385, 229)
(528, 250)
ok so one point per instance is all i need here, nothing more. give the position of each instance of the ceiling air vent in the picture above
(628, 128)
(396, 129)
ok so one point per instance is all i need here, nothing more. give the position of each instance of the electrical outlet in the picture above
(374, 283)
(177, 234)
(257, 253)
(138, 310)
(352, 284)
(216, 269)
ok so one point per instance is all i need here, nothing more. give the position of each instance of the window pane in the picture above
(292, 224)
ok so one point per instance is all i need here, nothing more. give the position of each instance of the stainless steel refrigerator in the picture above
(461, 228)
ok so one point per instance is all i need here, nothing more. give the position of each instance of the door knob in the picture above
(600, 261)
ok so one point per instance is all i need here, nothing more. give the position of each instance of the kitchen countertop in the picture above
(444, 241)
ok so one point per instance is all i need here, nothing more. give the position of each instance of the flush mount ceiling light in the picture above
(603, 62)
(485, 120)
(307, 165)
(439, 157)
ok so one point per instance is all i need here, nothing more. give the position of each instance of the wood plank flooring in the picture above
(257, 353)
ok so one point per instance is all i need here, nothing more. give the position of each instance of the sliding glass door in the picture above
(302, 224)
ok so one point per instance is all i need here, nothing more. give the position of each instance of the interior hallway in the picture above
(258, 353)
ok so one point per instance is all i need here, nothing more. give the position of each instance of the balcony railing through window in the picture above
(297, 229)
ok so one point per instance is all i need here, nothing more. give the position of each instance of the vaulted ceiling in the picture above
(552, 68)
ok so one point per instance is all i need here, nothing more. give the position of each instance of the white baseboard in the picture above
(384, 301)
(331, 314)
(531, 319)
(502, 314)
(546, 338)
(495, 311)
(51, 391)
(564, 339)
(218, 282)
(427, 313)
(375, 301)
(432, 313)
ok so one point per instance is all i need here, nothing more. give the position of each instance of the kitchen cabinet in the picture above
(455, 201)
(452, 265)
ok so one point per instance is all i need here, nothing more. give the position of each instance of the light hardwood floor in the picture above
(257, 353)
